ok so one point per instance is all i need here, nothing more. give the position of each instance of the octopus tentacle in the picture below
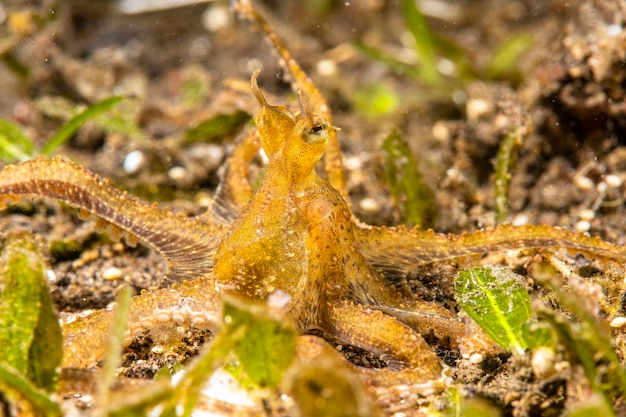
(160, 312)
(397, 344)
(333, 162)
(397, 250)
(187, 245)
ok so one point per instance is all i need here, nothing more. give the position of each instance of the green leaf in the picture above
(503, 166)
(216, 128)
(22, 275)
(122, 120)
(8, 58)
(595, 406)
(406, 182)
(114, 351)
(497, 301)
(375, 100)
(267, 346)
(68, 129)
(58, 107)
(459, 406)
(416, 23)
(30, 335)
(588, 339)
(195, 86)
(46, 351)
(389, 61)
(66, 249)
(14, 144)
(450, 49)
(37, 398)
(538, 333)
(31, 340)
(507, 55)
(234, 368)
(119, 119)
(578, 338)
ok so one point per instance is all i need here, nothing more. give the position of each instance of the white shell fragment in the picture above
(618, 322)
(133, 162)
(112, 273)
(543, 362)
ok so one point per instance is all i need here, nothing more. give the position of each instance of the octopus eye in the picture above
(317, 128)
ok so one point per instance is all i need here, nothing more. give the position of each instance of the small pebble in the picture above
(477, 108)
(369, 204)
(86, 257)
(50, 275)
(618, 322)
(208, 154)
(501, 121)
(441, 132)
(326, 67)
(520, 220)
(586, 214)
(583, 183)
(562, 366)
(353, 162)
(216, 18)
(157, 349)
(476, 358)
(118, 247)
(614, 30)
(583, 226)
(112, 273)
(90, 255)
(203, 199)
(177, 173)
(543, 361)
(133, 162)
(215, 154)
(613, 181)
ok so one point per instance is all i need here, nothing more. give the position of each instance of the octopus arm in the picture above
(395, 251)
(187, 245)
(160, 312)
